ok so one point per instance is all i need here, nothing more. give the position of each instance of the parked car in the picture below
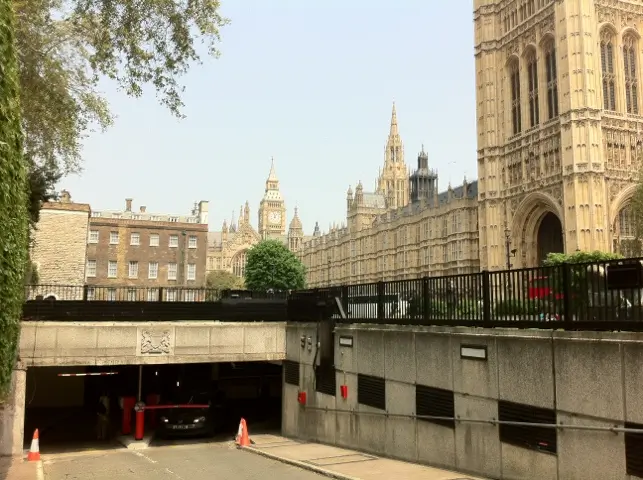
(193, 415)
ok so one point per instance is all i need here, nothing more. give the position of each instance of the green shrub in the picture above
(515, 307)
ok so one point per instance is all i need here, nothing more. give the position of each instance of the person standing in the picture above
(102, 414)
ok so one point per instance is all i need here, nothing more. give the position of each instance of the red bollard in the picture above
(128, 406)
(152, 399)
(139, 432)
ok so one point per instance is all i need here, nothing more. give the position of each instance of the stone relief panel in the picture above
(155, 341)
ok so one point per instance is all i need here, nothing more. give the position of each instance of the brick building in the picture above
(147, 250)
(59, 246)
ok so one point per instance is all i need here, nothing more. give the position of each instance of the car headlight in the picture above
(199, 420)
(164, 419)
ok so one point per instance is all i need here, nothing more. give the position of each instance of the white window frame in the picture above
(90, 269)
(152, 295)
(155, 239)
(94, 235)
(111, 295)
(171, 295)
(193, 241)
(191, 275)
(91, 293)
(133, 269)
(153, 270)
(173, 241)
(111, 263)
(135, 238)
(132, 294)
(113, 238)
(189, 296)
(172, 271)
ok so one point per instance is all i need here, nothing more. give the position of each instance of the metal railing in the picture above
(596, 296)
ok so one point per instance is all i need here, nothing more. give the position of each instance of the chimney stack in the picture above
(128, 204)
(65, 197)
(143, 208)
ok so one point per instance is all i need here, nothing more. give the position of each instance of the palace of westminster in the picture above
(560, 142)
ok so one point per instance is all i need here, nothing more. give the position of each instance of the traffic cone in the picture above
(34, 451)
(244, 440)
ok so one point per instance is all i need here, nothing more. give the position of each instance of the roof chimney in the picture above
(65, 197)
(143, 208)
(128, 204)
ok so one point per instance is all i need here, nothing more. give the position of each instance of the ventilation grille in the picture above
(435, 402)
(634, 451)
(291, 372)
(537, 438)
(326, 380)
(371, 391)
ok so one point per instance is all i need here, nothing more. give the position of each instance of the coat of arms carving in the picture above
(155, 343)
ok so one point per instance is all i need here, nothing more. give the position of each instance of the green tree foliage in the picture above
(554, 259)
(223, 280)
(271, 265)
(13, 200)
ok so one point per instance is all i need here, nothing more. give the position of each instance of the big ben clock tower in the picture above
(272, 209)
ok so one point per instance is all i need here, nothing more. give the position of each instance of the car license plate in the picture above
(180, 427)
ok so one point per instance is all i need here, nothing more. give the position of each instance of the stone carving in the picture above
(547, 26)
(155, 342)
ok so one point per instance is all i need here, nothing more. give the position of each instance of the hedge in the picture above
(13, 201)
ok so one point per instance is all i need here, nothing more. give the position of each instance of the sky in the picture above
(310, 83)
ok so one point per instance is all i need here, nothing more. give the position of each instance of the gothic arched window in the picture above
(631, 82)
(239, 264)
(514, 82)
(551, 73)
(532, 76)
(607, 70)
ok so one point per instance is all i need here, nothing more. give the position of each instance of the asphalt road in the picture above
(204, 461)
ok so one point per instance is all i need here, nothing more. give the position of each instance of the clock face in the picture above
(274, 217)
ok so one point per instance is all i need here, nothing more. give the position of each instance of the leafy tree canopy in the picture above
(223, 280)
(554, 259)
(271, 265)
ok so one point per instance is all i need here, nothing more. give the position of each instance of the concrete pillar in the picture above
(12, 415)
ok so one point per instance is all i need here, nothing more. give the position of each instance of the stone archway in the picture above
(239, 263)
(549, 237)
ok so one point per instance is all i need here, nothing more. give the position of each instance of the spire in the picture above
(393, 131)
(272, 176)
(295, 223)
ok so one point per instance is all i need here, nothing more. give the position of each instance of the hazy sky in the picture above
(310, 83)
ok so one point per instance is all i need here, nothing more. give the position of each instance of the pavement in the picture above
(17, 469)
(344, 464)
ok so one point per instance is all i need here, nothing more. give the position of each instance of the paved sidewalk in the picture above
(345, 464)
(16, 469)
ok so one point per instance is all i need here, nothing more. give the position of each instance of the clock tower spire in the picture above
(272, 209)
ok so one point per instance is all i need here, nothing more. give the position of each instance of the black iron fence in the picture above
(596, 296)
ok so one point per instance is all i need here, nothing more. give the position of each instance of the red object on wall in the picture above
(343, 389)
(128, 406)
(152, 399)
(301, 398)
(140, 425)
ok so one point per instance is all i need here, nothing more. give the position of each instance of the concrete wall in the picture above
(45, 344)
(588, 378)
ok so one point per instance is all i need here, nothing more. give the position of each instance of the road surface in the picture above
(205, 461)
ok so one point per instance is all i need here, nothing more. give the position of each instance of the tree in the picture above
(271, 265)
(554, 259)
(223, 280)
(13, 201)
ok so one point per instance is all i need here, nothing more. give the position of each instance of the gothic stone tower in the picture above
(272, 209)
(558, 125)
(393, 181)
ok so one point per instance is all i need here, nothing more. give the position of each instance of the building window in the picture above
(91, 293)
(514, 80)
(93, 236)
(133, 269)
(174, 219)
(631, 83)
(174, 241)
(171, 271)
(111, 294)
(153, 294)
(170, 295)
(552, 80)
(532, 77)
(131, 295)
(113, 238)
(607, 69)
(112, 269)
(192, 241)
(239, 264)
(154, 240)
(91, 268)
(153, 270)
(191, 271)
(189, 296)
(135, 239)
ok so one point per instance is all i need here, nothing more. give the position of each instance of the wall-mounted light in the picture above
(310, 343)
(303, 341)
(346, 341)
(473, 352)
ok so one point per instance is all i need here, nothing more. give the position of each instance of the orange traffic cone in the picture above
(34, 451)
(242, 437)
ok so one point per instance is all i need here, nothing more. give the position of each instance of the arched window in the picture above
(631, 83)
(532, 76)
(514, 81)
(625, 232)
(239, 264)
(551, 73)
(607, 70)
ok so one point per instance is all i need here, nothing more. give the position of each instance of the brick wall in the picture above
(59, 244)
